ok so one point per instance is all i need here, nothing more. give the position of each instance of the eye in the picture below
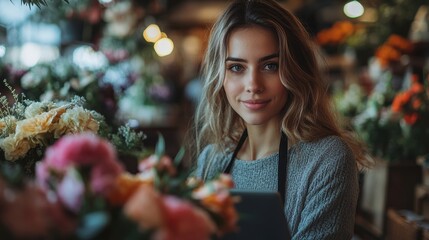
(271, 66)
(235, 68)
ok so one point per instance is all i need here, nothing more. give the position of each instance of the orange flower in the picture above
(400, 43)
(125, 186)
(400, 100)
(416, 104)
(145, 208)
(223, 205)
(386, 54)
(346, 27)
(392, 49)
(336, 34)
(416, 88)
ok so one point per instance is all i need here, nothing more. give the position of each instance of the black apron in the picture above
(282, 162)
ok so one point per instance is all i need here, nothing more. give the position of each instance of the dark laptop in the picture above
(261, 216)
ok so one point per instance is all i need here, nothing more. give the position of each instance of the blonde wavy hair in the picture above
(308, 114)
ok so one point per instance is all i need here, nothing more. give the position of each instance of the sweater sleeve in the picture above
(330, 204)
(209, 164)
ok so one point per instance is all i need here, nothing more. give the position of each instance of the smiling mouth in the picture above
(255, 104)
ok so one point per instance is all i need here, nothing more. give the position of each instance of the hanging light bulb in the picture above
(164, 46)
(152, 33)
(353, 9)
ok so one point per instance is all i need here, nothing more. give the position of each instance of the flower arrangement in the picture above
(411, 106)
(28, 127)
(395, 123)
(333, 38)
(81, 191)
(391, 51)
(391, 113)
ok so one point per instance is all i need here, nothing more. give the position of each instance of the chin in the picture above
(255, 121)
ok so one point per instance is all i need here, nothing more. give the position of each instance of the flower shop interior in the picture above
(134, 66)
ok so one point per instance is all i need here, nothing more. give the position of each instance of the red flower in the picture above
(411, 118)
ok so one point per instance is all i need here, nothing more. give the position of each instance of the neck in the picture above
(262, 141)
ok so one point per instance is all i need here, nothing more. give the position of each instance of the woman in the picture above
(265, 118)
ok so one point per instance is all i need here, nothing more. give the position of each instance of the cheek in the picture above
(230, 88)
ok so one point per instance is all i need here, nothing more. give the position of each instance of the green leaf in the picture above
(160, 146)
(179, 156)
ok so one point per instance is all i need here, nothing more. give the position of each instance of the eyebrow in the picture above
(274, 55)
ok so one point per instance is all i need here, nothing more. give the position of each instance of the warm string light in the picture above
(163, 45)
(353, 9)
(152, 33)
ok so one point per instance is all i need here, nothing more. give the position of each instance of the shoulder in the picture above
(330, 152)
(325, 147)
(326, 144)
(211, 162)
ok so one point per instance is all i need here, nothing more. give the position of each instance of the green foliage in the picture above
(129, 141)
(37, 3)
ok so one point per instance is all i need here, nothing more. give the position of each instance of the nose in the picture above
(254, 82)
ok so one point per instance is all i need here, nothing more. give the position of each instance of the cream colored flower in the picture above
(75, 120)
(37, 108)
(14, 148)
(39, 124)
(32, 126)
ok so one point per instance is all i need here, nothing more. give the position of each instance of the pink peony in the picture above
(82, 150)
(79, 149)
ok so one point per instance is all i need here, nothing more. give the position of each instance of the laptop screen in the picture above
(261, 216)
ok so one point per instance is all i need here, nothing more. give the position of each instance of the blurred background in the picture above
(137, 62)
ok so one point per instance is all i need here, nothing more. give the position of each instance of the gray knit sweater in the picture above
(321, 188)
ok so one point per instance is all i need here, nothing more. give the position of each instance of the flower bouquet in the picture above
(28, 127)
(81, 191)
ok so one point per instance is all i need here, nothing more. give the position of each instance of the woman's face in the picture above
(252, 82)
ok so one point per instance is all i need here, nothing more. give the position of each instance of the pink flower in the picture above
(163, 163)
(82, 151)
(184, 221)
(171, 217)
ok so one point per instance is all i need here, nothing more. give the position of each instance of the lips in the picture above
(255, 104)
